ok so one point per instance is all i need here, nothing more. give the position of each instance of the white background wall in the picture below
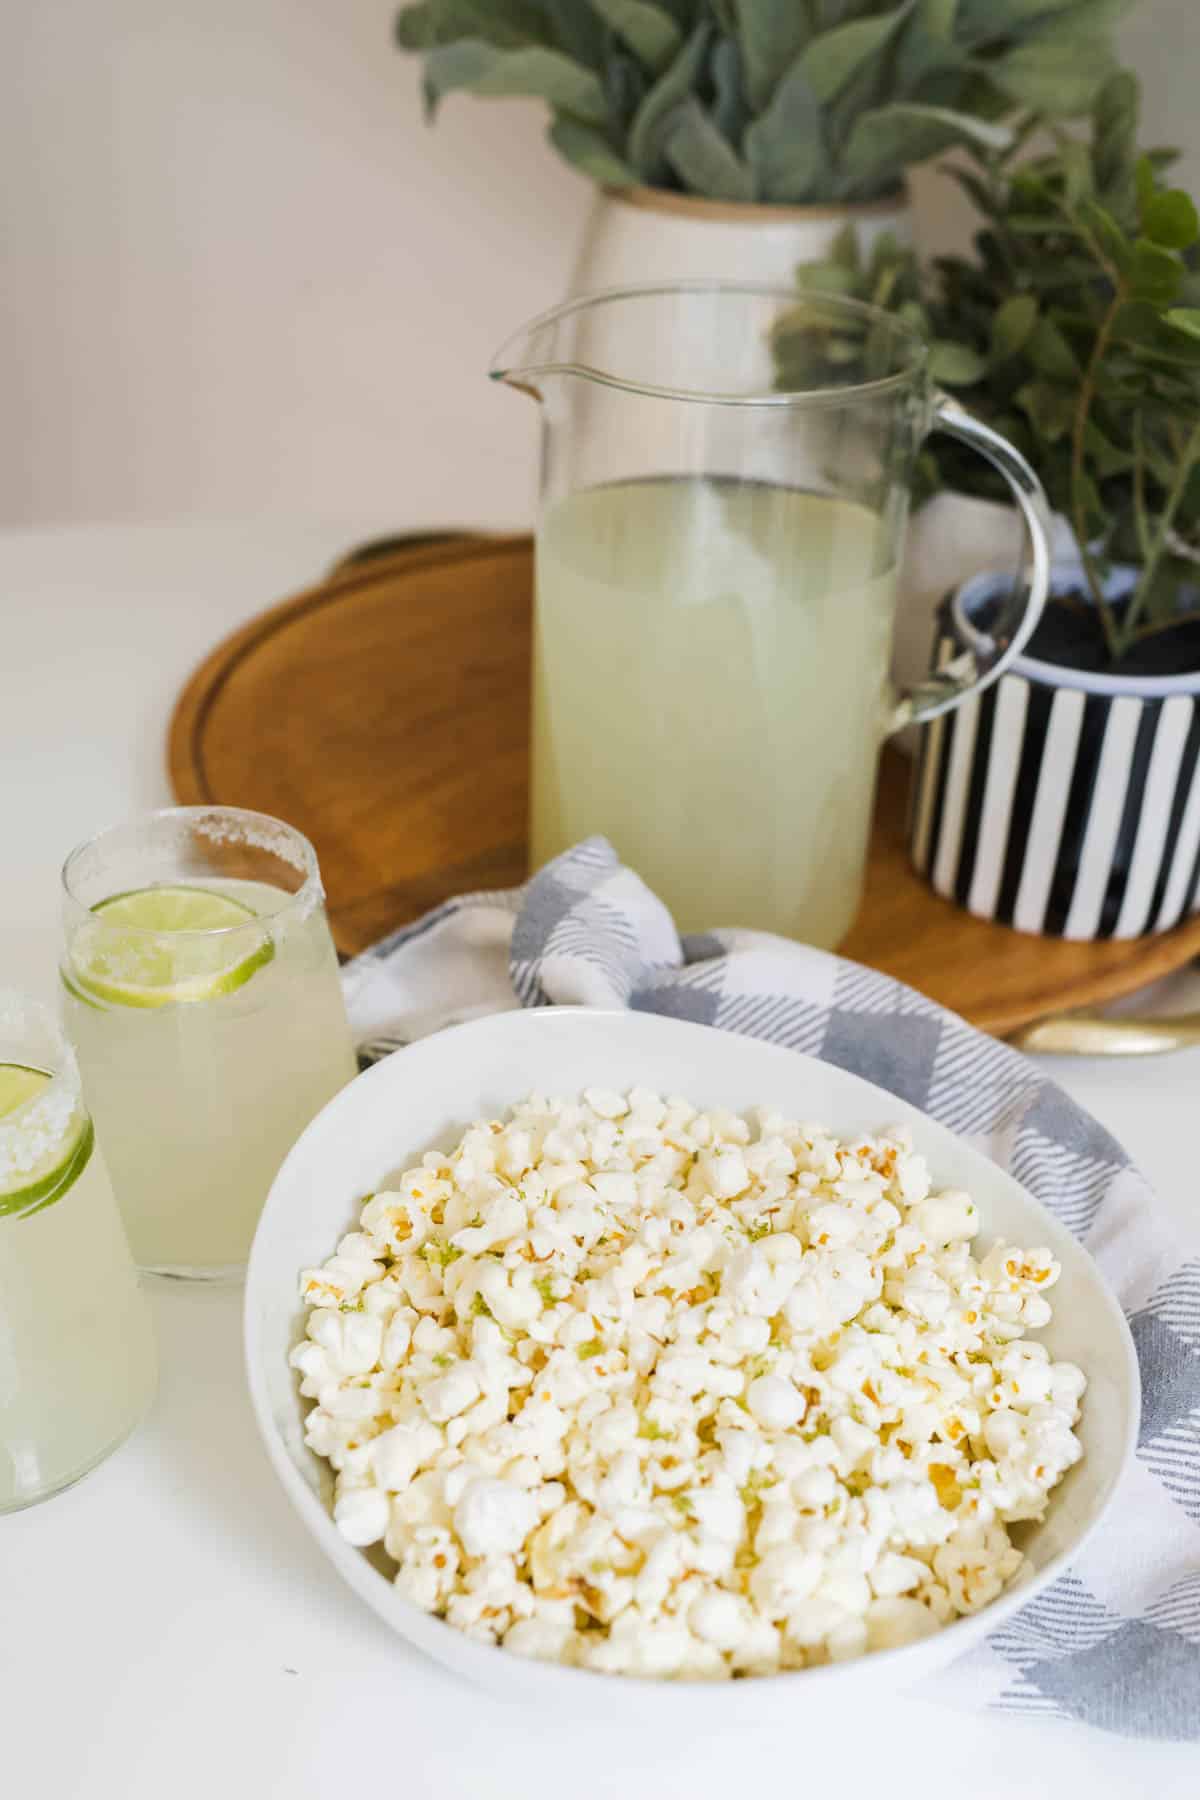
(238, 275)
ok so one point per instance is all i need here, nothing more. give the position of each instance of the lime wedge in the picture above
(169, 909)
(19, 1084)
(166, 946)
(48, 1178)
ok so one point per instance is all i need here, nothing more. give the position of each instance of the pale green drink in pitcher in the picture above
(672, 621)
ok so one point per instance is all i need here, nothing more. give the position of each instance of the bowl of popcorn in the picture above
(605, 1345)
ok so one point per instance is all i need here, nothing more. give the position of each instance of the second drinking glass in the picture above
(202, 996)
(77, 1366)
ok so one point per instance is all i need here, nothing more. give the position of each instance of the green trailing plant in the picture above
(786, 101)
(1074, 329)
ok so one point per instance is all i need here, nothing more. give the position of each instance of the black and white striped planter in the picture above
(1059, 801)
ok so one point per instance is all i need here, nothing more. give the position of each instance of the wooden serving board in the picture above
(385, 713)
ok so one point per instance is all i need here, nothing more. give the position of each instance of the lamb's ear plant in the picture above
(1074, 329)
(787, 101)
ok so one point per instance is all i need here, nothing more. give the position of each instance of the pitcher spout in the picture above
(532, 356)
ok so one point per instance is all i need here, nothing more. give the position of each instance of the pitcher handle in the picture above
(967, 673)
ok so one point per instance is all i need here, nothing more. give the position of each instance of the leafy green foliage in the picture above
(650, 33)
(485, 69)
(771, 33)
(1074, 329)
(783, 145)
(658, 113)
(702, 158)
(790, 101)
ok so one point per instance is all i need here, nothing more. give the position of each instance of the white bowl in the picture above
(423, 1097)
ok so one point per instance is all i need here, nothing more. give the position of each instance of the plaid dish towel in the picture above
(1116, 1641)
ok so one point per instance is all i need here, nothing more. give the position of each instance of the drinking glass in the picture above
(77, 1365)
(726, 473)
(201, 991)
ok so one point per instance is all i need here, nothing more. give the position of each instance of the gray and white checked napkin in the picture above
(1116, 1641)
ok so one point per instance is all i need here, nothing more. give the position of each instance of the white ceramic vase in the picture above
(637, 235)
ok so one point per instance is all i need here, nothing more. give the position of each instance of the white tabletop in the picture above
(167, 1628)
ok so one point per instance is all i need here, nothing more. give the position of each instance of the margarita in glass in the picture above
(77, 1366)
(202, 994)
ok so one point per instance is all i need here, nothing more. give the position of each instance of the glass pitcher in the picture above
(726, 474)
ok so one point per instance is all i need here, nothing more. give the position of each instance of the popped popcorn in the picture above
(649, 1390)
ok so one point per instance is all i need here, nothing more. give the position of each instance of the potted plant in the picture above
(739, 135)
(1066, 801)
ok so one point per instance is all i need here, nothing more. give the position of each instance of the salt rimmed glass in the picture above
(199, 1086)
(77, 1363)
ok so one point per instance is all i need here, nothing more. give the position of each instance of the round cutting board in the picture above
(385, 713)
